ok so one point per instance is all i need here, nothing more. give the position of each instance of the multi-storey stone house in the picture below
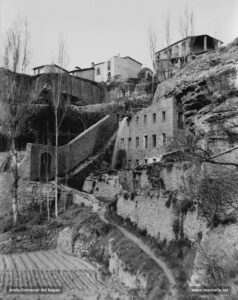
(148, 134)
(117, 68)
(170, 59)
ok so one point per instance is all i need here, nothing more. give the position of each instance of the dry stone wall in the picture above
(150, 213)
(33, 197)
(32, 193)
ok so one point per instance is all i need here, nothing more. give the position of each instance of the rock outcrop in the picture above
(206, 90)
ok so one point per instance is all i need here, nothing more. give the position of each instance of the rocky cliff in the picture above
(206, 90)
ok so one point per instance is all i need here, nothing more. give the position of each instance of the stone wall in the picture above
(86, 90)
(154, 199)
(104, 186)
(150, 212)
(33, 197)
(32, 193)
(69, 155)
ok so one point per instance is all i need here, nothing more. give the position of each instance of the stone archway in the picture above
(45, 166)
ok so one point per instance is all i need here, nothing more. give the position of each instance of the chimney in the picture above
(92, 64)
(78, 68)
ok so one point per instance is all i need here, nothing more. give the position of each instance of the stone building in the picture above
(51, 68)
(145, 136)
(117, 69)
(87, 73)
(170, 59)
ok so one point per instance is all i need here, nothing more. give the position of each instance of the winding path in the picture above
(173, 294)
(100, 210)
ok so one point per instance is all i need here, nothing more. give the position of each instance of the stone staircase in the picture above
(77, 176)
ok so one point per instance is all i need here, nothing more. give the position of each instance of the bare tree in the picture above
(186, 23)
(153, 44)
(167, 30)
(59, 104)
(15, 95)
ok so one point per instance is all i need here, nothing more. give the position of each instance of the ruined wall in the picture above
(71, 154)
(33, 196)
(104, 186)
(32, 193)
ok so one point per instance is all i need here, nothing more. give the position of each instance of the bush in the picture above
(229, 220)
(176, 228)
(186, 205)
(7, 224)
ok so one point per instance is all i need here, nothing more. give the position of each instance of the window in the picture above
(154, 117)
(137, 142)
(122, 143)
(137, 120)
(145, 141)
(154, 140)
(164, 139)
(129, 143)
(109, 65)
(98, 71)
(146, 160)
(163, 116)
(137, 162)
(145, 119)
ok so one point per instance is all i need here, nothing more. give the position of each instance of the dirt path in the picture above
(52, 268)
(173, 294)
(100, 210)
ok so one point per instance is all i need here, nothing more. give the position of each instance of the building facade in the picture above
(148, 134)
(117, 69)
(87, 73)
(170, 59)
(52, 68)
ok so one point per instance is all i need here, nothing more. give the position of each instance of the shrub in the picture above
(167, 203)
(7, 224)
(186, 205)
(126, 196)
(176, 226)
(229, 220)
(199, 235)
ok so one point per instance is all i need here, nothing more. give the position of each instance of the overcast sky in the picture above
(96, 30)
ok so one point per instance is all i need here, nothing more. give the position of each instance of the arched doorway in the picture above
(45, 166)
